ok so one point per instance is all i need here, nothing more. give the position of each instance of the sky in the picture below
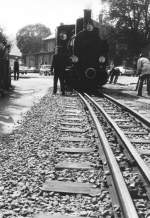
(15, 14)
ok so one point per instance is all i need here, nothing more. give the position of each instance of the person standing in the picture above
(58, 68)
(16, 69)
(114, 74)
(143, 70)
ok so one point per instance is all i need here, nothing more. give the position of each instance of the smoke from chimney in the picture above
(96, 6)
(88, 5)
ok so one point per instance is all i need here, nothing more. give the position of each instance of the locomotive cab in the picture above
(63, 35)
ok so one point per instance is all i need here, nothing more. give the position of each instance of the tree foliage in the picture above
(3, 38)
(131, 20)
(29, 38)
(131, 14)
(5, 45)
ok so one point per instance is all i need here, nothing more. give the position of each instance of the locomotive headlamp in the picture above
(74, 59)
(102, 59)
(89, 27)
(63, 36)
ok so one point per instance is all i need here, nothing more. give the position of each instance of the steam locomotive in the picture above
(86, 53)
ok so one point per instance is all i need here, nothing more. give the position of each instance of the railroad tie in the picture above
(144, 152)
(75, 111)
(45, 215)
(73, 139)
(71, 187)
(74, 165)
(135, 133)
(74, 119)
(73, 130)
(126, 126)
(121, 120)
(70, 124)
(140, 141)
(75, 150)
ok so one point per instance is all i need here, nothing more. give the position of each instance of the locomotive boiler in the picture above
(86, 54)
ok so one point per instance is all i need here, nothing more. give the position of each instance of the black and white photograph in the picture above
(74, 108)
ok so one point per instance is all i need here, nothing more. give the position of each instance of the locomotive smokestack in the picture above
(87, 17)
(81, 23)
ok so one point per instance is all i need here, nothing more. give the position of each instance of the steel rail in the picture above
(133, 112)
(142, 166)
(124, 197)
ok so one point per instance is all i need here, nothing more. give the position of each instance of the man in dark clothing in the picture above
(114, 74)
(58, 66)
(16, 69)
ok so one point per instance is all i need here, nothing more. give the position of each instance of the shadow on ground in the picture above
(119, 93)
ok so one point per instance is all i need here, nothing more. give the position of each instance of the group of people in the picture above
(143, 71)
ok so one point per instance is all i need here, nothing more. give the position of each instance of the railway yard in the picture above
(79, 156)
(74, 109)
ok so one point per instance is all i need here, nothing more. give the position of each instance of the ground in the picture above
(124, 91)
(29, 89)
(25, 92)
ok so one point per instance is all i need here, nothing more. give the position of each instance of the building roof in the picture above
(15, 50)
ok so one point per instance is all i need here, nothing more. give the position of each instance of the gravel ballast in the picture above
(28, 158)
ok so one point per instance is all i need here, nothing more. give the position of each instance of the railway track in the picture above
(79, 185)
(99, 170)
(130, 145)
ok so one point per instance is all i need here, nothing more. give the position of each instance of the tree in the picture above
(3, 43)
(132, 15)
(131, 20)
(29, 38)
(3, 38)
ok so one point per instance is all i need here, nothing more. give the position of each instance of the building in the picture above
(42, 57)
(14, 53)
